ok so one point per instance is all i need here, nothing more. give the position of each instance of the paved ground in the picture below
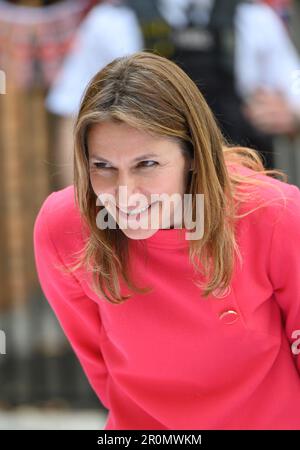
(35, 419)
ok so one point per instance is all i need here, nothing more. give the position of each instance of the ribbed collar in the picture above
(166, 238)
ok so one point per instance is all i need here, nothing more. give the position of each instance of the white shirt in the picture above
(106, 33)
(265, 55)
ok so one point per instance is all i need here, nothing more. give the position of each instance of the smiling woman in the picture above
(161, 323)
(130, 168)
(147, 103)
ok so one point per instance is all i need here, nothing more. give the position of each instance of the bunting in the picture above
(34, 40)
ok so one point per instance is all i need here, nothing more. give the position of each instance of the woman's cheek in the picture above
(100, 183)
(95, 184)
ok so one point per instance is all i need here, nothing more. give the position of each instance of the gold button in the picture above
(229, 316)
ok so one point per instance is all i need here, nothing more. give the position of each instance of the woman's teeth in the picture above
(135, 212)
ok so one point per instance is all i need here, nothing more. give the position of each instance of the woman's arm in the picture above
(285, 268)
(77, 314)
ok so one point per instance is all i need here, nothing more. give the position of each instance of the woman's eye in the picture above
(153, 163)
(144, 164)
(100, 165)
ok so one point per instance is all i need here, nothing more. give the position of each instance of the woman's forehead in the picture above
(121, 140)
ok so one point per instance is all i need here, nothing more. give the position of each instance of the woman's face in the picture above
(131, 166)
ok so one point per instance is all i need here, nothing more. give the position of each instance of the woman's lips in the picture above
(124, 214)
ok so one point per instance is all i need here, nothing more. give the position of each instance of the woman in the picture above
(173, 332)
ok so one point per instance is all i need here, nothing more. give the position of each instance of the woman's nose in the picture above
(126, 187)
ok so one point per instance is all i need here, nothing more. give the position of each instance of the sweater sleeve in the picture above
(77, 314)
(285, 269)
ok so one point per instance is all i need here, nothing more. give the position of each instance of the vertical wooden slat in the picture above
(25, 183)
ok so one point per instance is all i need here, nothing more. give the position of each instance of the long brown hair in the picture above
(152, 93)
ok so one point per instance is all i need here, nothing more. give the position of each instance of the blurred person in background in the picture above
(109, 30)
(241, 57)
(238, 53)
(265, 72)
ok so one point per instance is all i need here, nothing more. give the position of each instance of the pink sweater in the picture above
(171, 359)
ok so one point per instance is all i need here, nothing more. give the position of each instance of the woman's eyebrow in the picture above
(139, 158)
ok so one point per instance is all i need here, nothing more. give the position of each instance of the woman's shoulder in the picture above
(60, 205)
(60, 217)
(267, 187)
(267, 200)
